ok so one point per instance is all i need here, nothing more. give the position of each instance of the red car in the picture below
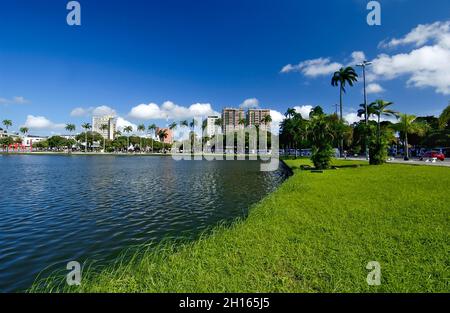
(432, 155)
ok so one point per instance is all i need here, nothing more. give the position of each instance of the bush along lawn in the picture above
(316, 233)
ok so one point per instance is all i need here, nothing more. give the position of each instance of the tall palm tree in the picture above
(152, 129)
(103, 128)
(162, 134)
(267, 120)
(362, 111)
(86, 127)
(24, 130)
(380, 108)
(141, 129)
(290, 112)
(184, 123)
(192, 124)
(128, 129)
(70, 128)
(242, 121)
(408, 125)
(7, 124)
(341, 78)
(173, 125)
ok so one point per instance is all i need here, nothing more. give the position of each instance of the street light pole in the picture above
(366, 115)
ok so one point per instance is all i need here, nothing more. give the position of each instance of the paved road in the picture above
(411, 161)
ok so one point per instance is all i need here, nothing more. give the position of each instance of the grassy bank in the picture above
(316, 233)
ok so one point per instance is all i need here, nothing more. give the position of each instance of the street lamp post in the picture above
(363, 65)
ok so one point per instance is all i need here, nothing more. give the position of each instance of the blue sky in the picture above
(130, 57)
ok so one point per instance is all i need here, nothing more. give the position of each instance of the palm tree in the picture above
(184, 123)
(380, 108)
(128, 129)
(408, 125)
(267, 120)
(173, 125)
(290, 112)
(140, 128)
(24, 130)
(192, 124)
(7, 123)
(340, 78)
(103, 128)
(218, 122)
(152, 129)
(162, 134)
(242, 121)
(362, 111)
(70, 128)
(86, 127)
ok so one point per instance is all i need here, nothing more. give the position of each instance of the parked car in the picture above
(433, 155)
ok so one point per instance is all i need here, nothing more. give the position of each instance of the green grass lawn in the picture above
(316, 233)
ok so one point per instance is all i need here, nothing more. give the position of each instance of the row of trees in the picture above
(322, 132)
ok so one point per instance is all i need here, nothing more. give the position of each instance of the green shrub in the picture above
(378, 151)
(321, 156)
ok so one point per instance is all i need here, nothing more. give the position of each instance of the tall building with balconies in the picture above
(211, 127)
(255, 117)
(109, 120)
(231, 119)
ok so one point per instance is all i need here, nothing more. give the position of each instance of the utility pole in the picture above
(363, 65)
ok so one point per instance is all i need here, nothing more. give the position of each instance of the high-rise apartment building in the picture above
(211, 127)
(255, 117)
(231, 119)
(110, 121)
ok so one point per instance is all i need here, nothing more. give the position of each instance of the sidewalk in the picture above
(411, 161)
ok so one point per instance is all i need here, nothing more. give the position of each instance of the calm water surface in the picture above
(55, 209)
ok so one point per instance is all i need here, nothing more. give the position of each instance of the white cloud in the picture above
(170, 110)
(121, 123)
(374, 88)
(78, 112)
(93, 111)
(41, 123)
(436, 32)
(304, 110)
(250, 103)
(103, 110)
(146, 112)
(357, 57)
(426, 65)
(14, 100)
(277, 118)
(351, 118)
(313, 68)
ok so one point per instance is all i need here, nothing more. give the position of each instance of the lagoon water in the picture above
(56, 209)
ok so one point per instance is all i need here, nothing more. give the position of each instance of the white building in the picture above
(29, 140)
(211, 127)
(109, 120)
